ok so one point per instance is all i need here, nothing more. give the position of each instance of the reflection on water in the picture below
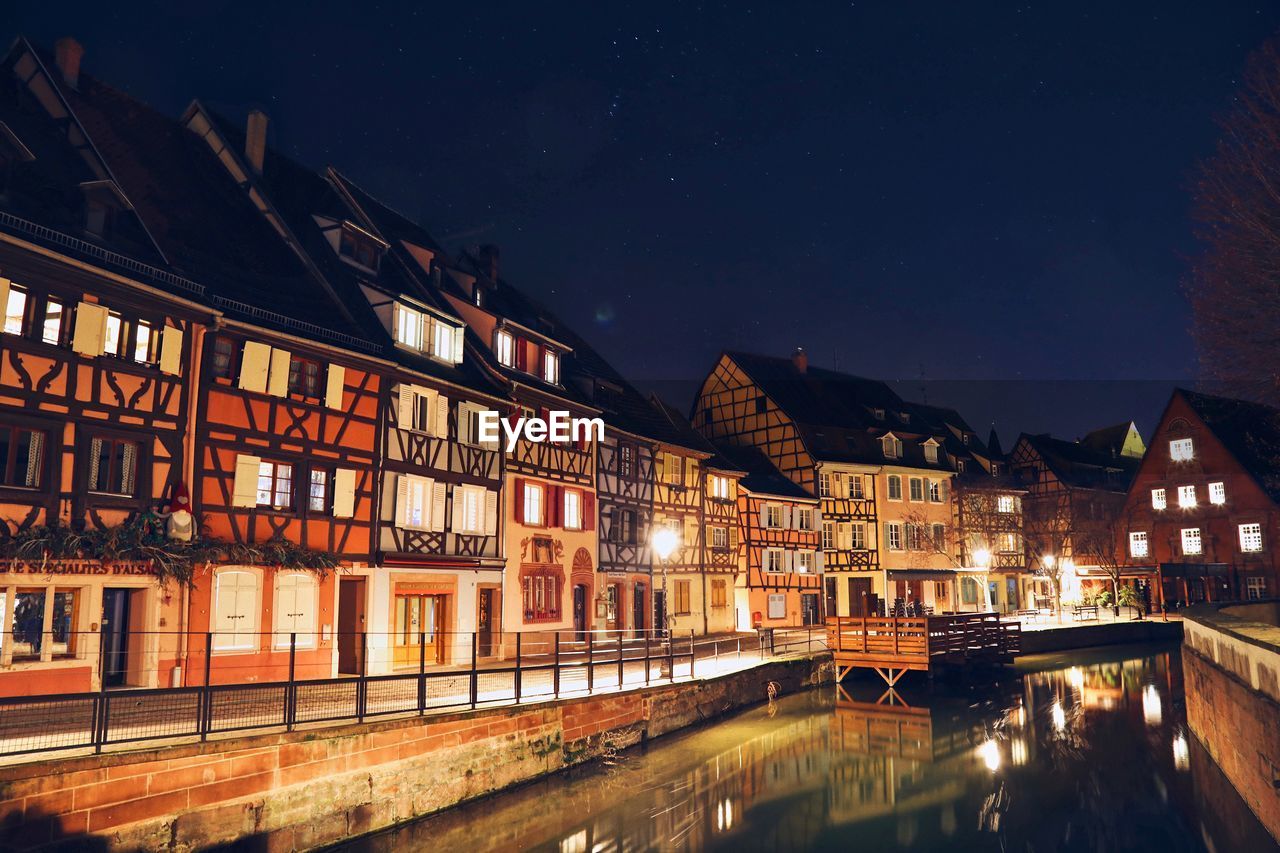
(1087, 752)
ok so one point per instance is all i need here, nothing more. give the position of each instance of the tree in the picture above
(1234, 285)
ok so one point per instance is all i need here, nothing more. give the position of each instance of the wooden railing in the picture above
(919, 641)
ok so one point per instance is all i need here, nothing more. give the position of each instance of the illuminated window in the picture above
(1138, 543)
(117, 331)
(532, 503)
(318, 490)
(51, 328)
(626, 460)
(1217, 493)
(895, 487)
(550, 367)
(408, 327)
(719, 486)
(504, 348)
(414, 502)
(541, 596)
(15, 311)
(572, 509)
(442, 340)
(275, 485)
(1255, 588)
(1006, 503)
(1186, 496)
(1191, 544)
(1181, 450)
(1251, 537)
(935, 491)
(1158, 500)
(469, 509)
(145, 342)
(806, 562)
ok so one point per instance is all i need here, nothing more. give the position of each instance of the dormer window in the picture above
(892, 446)
(504, 347)
(879, 413)
(551, 367)
(360, 247)
(931, 451)
(904, 417)
(409, 327)
(102, 202)
(427, 334)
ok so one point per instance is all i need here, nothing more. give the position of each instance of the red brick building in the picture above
(1204, 508)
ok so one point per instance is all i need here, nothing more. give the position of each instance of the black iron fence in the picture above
(222, 690)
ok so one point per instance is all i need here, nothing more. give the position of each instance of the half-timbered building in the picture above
(779, 534)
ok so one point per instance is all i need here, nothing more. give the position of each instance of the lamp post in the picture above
(664, 541)
(982, 559)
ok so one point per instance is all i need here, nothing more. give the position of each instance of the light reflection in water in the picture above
(1087, 756)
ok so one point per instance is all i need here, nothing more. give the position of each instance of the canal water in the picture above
(1083, 751)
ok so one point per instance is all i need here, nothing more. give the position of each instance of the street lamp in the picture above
(1048, 561)
(664, 541)
(981, 559)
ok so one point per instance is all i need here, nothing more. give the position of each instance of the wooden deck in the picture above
(893, 646)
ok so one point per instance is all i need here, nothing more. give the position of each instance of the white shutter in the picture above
(844, 536)
(437, 506)
(441, 411)
(817, 518)
(334, 385)
(788, 560)
(817, 560)
(764, 515)
(245, 491)
(459, 334)
(171, 350)
(254, 364)
(490, 512)
(459, 510)
(278, 377)
(402, 499)
(786, 517)
(344, 493)
(91, 329)
(405, 419)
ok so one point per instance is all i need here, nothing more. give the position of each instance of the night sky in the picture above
(936, 193)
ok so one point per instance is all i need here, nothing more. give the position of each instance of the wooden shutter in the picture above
(553, 513)
(91, 329)
(402, 499)
(733, 538)
(438, 490)
(788, 560)
(244, 492)
(588, 511)
(691, 469)
(522, 355)
(459, 335)
(690, 530)
(344, 493)
(459, 503)
(255, 362)
(334, 386)
(817, 519)
(404, 413)
(764, 516)
(786, 516)
(278, 375)
(4, 293)
(490, 513)
(170, 350)
(441, 412)
(517, 501)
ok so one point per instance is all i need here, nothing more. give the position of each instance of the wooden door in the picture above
(418, 634)
(484, 622)
(580, 610)
(115, 636)
(860, 597)
(831, 598)
(351, 625)
(637, 609)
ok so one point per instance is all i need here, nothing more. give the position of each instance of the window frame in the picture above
(118, 443)
(1188, 535)
(1137, 537)
(1159, 499)
(1182, 449)
(1240, 537)
(1218, 493)
(891, 481)
(276, 465)
(41, 466)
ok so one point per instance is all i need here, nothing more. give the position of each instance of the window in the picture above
(777, 606)
(917, 488)
(930, 452)
(22, 455)
(773, 516)
(1138, 543)
(541, 593)
(415, 502)
(828, 536)
(304, 377)
(51, 328)
(442, 341)
(113, 466)
(1005, 504)
(719, 593)
(1255, 588)
(145, 343)
(1158, 499)
(469, 513)
(275, 485)
(626, 460)
(935, 491)
(15, 311)
(719, 487)
(1181, 450)
(968, 590)
(960, 466)
(856, 487)
(940, 536)
(773, 559)
(532, 504)
(297, 595)
(318, 491)
(624, 527)
(360, 248)
(804, 520)
(1186, 496)
(858, 536)
(895, 487)
(1251, 537)
(550, 367)
(1217, 493)
(117, 333)
(915, 537)
(30, 629)
(572, 509)
(1007, 543)
(1191, 541)
(806, 562)
(720, 538)
(224, 358)
(893, 534)
(892, 446)
(504, 348)
(408, 327)
(235, 611)
(824, 485)
(683, 607)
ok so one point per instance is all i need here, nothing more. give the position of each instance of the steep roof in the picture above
(1250, 431)
(1114, 440)
(1079, 466)
(762, 477)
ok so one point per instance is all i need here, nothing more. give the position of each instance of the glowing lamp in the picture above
(665, 542)
(982, 558)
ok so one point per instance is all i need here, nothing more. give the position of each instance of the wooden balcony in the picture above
(892, 646)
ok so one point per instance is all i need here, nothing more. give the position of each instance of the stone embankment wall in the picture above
(317, 787)
(1231, 666)
(1108, 634)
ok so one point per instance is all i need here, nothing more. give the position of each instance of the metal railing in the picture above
(216, 695)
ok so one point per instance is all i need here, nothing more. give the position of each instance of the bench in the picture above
(1085, 611)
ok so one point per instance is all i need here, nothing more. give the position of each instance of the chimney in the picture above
(67, 53)
(487, 255)
(800, 359)
(255, 140)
